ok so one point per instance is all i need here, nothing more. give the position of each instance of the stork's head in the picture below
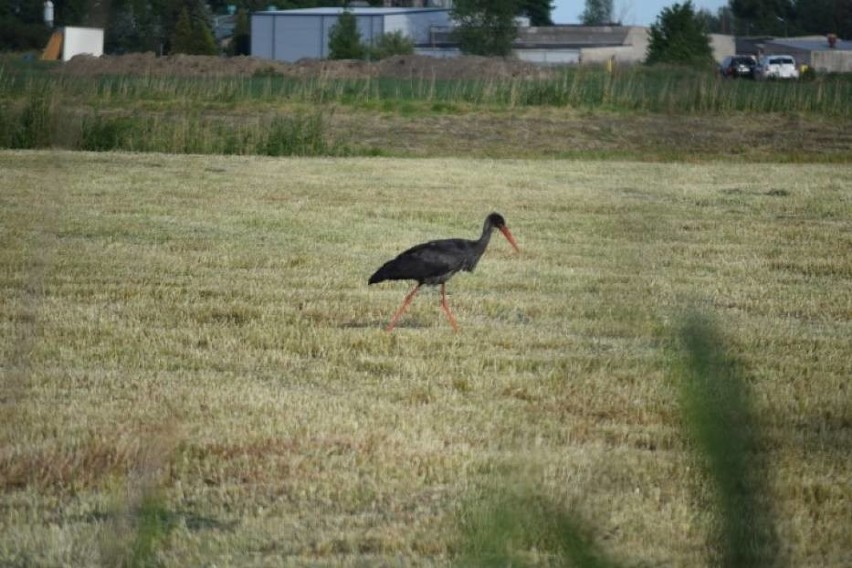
(497, 221)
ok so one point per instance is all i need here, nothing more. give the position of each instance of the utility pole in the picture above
(780, 19)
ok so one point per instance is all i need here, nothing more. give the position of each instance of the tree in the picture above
(21, 25)
(344, 39)
(823, 17)
(678, 36)
(205, 43)
(793, 17)
(139, 25)
(170, 12)
(485, 27)
(711, 23)
(538, 11)
(726, 21)
(77, 13)
(763, 17)
(182, 40)
(241, 41)
(192, 37)
(597, 12)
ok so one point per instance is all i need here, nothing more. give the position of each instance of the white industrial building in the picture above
(560, 44)
(290, 35)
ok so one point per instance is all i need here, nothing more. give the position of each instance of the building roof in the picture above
(336, 11)
(752, 45)
(812, 44)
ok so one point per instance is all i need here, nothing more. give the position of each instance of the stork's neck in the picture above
(485, 237)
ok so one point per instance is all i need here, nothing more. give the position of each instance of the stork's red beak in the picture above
(506, 233)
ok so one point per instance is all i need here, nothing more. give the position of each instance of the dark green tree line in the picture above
(792, 17)
(486, 27)
(538, 11)
(759, 17)
(22, 26)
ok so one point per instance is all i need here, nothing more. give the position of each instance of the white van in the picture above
(776, 67)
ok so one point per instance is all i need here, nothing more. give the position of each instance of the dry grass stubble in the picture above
(216, 309)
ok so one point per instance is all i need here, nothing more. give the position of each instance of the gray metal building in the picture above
(290, 35)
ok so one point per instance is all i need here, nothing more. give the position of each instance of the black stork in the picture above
(436, 262)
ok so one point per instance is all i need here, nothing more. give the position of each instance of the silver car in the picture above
(776, 67)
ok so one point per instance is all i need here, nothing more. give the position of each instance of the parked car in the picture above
(738, 66)
(776, 67)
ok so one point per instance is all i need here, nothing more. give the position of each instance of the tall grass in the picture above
(29, 126)
(654, 89)
(636, 88)
(296, 134)
(208, 115)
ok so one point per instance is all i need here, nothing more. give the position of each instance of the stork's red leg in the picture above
(446, 307)
(402, 308)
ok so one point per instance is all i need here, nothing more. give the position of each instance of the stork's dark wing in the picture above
(430, 261)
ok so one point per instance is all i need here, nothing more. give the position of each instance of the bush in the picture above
(391, 44)
(32, 129)
(344, 40)
(296, 136)
(103, 134)
(808, 74)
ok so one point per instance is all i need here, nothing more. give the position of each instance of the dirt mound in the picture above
(175, 65)
(402, 67)
(468, 67)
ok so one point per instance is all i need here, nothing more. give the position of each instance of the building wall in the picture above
(440, 52)
(583, 44)
(833, 61)
(548, 56)
(638, 41)
(417, 26)
(617, 54)
(297, 36)
(263, 36)
(290, 37)
(722, 46)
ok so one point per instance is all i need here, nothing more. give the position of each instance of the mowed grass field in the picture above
(195, 373)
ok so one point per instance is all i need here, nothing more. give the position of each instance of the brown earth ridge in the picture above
(401, 67)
